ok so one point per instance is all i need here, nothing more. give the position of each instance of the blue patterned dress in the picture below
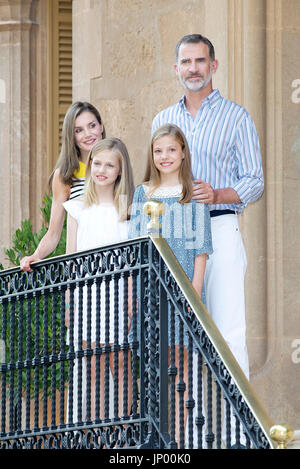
(186, 227)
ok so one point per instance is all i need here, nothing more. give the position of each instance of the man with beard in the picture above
(226, 163)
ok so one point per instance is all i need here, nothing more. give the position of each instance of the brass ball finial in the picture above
(154, 209)
(282, 434)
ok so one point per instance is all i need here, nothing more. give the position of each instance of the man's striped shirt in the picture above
(224, 146)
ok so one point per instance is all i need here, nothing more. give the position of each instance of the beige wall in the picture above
(123, 63)
(23, 158)
(125, 67)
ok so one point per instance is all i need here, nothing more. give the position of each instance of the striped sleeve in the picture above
(250, 179)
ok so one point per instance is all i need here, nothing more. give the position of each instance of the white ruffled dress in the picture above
(98, 225)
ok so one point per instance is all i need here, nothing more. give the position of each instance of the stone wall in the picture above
(123, 55)
(23, 139)
(125, 68)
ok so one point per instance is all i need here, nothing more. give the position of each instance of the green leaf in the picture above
(25, 240)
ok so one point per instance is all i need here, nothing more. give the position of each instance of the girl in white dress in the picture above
(98, 218)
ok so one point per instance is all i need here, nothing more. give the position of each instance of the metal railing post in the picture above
(163, 360)
(154, 209)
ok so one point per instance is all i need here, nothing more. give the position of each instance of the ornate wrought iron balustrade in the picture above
(105, 349)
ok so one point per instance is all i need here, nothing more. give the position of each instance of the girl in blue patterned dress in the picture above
(185, 223)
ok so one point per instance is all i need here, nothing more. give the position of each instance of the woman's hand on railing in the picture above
(25, 263)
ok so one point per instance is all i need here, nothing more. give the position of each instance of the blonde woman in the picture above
(100, 216)
(82, 128)
(97, 218)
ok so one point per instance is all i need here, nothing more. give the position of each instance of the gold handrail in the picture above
(282, 434)
(276, 438)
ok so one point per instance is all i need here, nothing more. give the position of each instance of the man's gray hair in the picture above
(195, 39)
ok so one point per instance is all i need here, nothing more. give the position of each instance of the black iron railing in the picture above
(111, 348)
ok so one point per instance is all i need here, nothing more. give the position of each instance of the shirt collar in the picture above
(212, 99)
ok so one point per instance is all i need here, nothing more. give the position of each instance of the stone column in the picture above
(247, 86)
(283, 209)
(15, 26)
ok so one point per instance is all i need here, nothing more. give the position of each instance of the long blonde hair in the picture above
(124, 186)
(152, 175)
(68, 160)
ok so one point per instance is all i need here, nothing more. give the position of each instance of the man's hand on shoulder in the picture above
(203, 192)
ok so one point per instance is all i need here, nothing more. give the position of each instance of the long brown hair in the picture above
(152, 175)
(124, 185)
(68, 160)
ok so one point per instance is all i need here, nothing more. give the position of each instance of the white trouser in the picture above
(224, 285)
